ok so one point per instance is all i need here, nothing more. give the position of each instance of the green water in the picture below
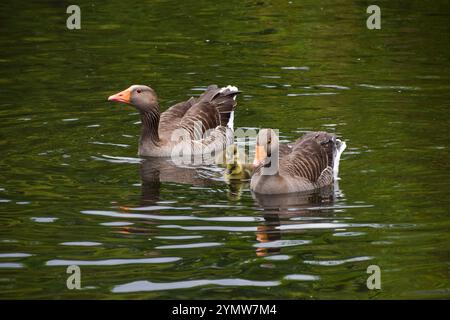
(73, 191)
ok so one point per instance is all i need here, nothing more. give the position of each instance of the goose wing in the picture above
(213, 108)
(171, 118)
(326, 140)
(308, 159)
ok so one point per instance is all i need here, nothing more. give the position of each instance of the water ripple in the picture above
(388, 87)
(301, 277)
(155, 208)
(331, 86)
(138, 286)
(111, 144)
(281, 243)
(15, 255)
(313, 226)
(11, 265)
(81, 243)
(341, 207)
(336, 262)
(300, 226)
(167, 217)
(304, 68)
(110, 262)
(116, 224)
(311, 94)
(223, 206)
(348, 234)
(209, 228)
(191, 245)
(112, 159)
(278, 257)
(44, 219)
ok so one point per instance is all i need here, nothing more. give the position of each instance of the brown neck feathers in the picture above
(150, 124)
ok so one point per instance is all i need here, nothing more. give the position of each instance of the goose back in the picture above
(213, 108)
(171, 118)
(311, 163)
(307, 159)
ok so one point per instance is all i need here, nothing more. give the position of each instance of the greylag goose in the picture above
(312, 163)
(196, 126)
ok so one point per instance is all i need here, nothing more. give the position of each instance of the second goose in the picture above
(309, 163)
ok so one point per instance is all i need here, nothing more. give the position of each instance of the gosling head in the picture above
(234, 169)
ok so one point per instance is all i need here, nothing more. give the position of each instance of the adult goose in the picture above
(196, 126)
(311, 163)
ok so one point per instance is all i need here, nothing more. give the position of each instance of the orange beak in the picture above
(123, 96)
(260, 155)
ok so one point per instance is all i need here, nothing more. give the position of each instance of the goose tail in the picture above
(340, 147)
(230, 91)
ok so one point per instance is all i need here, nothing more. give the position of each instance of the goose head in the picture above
(267, 145)
(234, 168)
(141, 97)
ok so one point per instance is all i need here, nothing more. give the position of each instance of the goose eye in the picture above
(138, 90)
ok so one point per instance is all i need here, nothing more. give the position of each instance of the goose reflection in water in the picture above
(278, 210)
(156, 171)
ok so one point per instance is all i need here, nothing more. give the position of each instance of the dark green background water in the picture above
(71, 188)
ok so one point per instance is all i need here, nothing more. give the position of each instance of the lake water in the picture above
(73, 191)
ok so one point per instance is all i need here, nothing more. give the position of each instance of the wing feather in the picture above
(308, 159)
(212, 109)
(171, 118)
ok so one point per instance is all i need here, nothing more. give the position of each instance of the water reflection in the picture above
(278, 213)
(266, 233)
(138, 286)
(297, 202)
(154, 171)
(236, 188)
(278, 208)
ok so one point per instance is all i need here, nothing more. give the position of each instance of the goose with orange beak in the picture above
(309, 163)
(195, 126)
